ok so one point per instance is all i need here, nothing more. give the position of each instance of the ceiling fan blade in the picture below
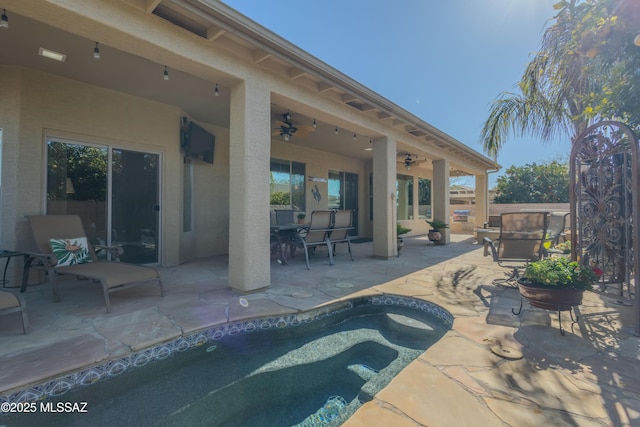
(304, 130)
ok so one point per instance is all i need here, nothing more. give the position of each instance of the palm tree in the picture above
(556, 93)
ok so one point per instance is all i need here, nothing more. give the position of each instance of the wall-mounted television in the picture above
(197, 142)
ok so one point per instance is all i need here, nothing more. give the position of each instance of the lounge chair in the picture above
(66, 231)
(317, 234)
(11, 302)
(521, 241)
(342, 225)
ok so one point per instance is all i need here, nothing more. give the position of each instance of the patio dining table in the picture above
(286, 234)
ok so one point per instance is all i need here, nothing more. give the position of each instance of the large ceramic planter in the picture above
(435, 236)
(561, 299)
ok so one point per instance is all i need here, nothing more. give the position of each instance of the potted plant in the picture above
(435, 234)
(301, 217)
(556, 283)
(399, 231)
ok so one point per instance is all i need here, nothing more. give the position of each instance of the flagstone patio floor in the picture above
(588, 377)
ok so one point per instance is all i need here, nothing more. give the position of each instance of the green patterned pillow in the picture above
(70, 251)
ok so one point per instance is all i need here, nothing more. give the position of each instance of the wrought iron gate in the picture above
(604, 206)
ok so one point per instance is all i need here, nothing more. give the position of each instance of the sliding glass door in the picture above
(343, 194)
(115, 192)
(135, 205)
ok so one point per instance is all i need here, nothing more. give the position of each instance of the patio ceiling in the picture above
(225, 29)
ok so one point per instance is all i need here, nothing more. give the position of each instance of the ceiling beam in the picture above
(150, 5)
(325, 87)
(296, 73)
(260, 55)
(347, 98)
(214, 33)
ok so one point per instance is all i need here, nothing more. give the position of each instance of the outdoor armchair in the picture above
(63, 248)
(556, 232)
(521, 241)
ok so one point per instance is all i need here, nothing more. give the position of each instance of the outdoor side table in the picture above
(8, 255)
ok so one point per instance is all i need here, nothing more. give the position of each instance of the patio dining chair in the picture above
(521, 241)
(317, 234)
(342, 226)
(285, 216)
(63, 249)
(11, 302)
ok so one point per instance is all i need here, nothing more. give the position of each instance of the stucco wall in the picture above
(211, 198)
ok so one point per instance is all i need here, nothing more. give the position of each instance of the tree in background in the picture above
(534, 183)
(585, 71)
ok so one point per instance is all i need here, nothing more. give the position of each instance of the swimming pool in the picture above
(314, 368)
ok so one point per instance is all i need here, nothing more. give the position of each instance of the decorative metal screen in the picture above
(604, 204)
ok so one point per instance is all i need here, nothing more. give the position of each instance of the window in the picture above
(405, 202)
(404, 196)
(424, 198)
(287, 185)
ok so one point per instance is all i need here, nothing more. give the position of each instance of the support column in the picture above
(416, 198)
(249, 154)
(384, 202)
(482, 200)
(440, 197)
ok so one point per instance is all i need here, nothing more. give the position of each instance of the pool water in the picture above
(317, 373)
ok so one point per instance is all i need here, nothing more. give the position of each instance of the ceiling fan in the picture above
(410, 160)
(286, 129)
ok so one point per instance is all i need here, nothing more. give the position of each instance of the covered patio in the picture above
(121, 79)
(588, 377)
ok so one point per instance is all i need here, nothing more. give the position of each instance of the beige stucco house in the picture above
(95, 93)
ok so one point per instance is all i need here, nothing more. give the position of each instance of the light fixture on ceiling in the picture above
(216, 92)
(354, 136)
(315, 125)
(96, 52)
(285, 136)
(4, 20)
(408, 162)
(51, 54)
(165, 75)
(336, 131)
(636, 41)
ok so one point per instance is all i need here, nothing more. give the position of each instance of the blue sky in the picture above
(444, 61)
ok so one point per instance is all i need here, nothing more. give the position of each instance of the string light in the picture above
(4, 20)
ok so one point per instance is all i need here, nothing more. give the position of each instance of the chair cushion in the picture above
(70, 251)
(8, 300)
